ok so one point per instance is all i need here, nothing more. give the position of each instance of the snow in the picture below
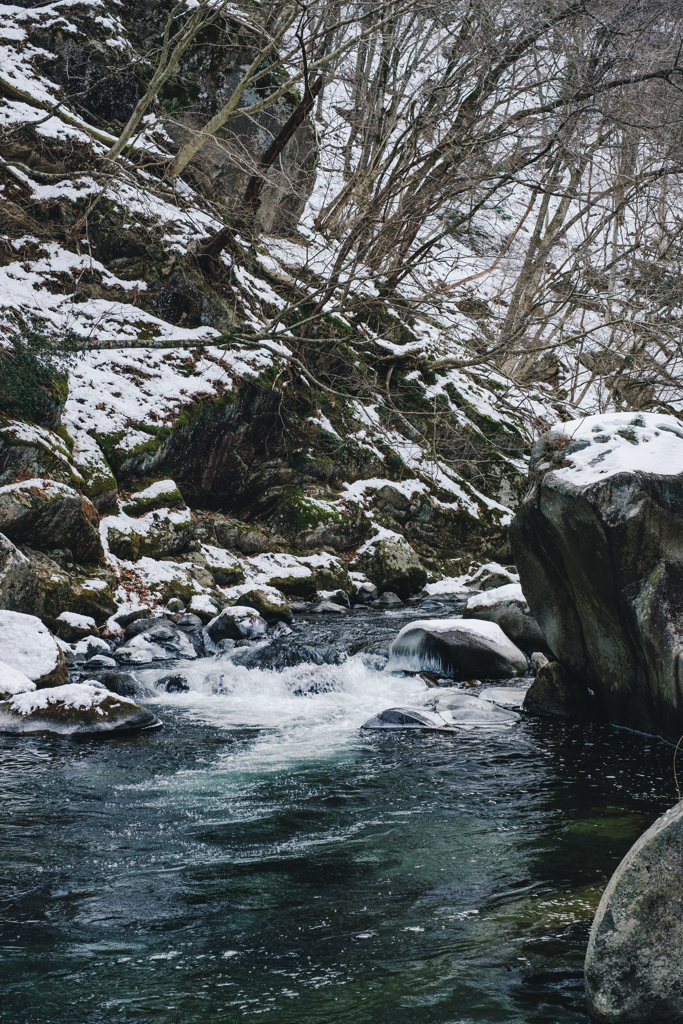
(490, 598)
(77, 621)
(202, 603)
(80, 696)
(50, 488)
(154, 490)
(27, 645)
(620, 443)
(14, 681)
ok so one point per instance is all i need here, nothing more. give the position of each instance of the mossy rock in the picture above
(392, 565)
(160, 494)
(296, 586)
(273, 608)
(28, 451)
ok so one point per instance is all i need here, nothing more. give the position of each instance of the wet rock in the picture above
(389, 600)
(555, 692)
(189, 623)
(598, 543)
(300, 606)
(329, 608)
(236, 623)
(90, 646)
(408, 718)
(118, 682)
(365, 593)
(634, 961)
(511, 697)
(163, 640)
(280, 629)
(457, 648)
(45, 514)
(27, 645)
(466, 711)
(507, 606)
(393, 565)
(174, 683)
(99, 661)
(286, 653)
(76, 709)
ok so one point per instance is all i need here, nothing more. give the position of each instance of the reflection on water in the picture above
(260, 859)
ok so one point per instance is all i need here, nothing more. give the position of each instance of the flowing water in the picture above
(260, 859)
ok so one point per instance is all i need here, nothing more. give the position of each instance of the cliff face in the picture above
(223, 440)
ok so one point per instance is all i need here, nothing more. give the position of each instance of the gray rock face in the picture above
(598, 542)
(634, 963)
(393, 565)
(508, 607)
(47, 515)
(18, 582)
(456, 648)
(553, 692)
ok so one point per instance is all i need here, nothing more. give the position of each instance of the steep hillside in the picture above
(227, 433)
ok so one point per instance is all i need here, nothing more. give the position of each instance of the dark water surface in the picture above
(260, 859)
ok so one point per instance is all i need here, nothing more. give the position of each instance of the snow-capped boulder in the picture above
(507, 606)
(237, 623)
(156, 534)
(635, 950)
(45, 514)
(598, 542)
(268, 602)
(160, 640)
(72, 626)
(26, 644)
(391, 564)
(28, 451)
(77, 709)
(459, 649)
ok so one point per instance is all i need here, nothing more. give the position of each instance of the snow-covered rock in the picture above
(598, 544)
(459, 649)
(236, 623)
(76, 709)
(27, 645)
(508, 607)
(72, 626)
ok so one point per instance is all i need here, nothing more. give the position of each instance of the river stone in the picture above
(235, 623)
(46, 515)
(71, 626)
(555, 692)
(408, 718)
(284, 653)
(634, 963)
(466, 711)
(393, 565)
(507, 606)
(389, 600)
(598, 542)
(28, 645)
(163, 639)
(77, 709)
(457, 648)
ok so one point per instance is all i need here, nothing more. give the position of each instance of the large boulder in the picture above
(457, 649)
(28, 452)
(78, 709)
(598, 542)
(18, 583)
(268, 602)
(158, 534)
(28, 646)
(634, 963)
(508, 607)
(46, 515)
(553, 692)
(237, 623)
(392, 564)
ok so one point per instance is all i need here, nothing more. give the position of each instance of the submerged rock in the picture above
(507, 606)
(285, 653)
(174, 683)
(408, 718)
(598, 544)
(77, 709)
(555, 692)
(162, 640)
(457, 648)
(634, 962)
(466, 711)
(28, 645)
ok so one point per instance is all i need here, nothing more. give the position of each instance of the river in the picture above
(261, 859)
